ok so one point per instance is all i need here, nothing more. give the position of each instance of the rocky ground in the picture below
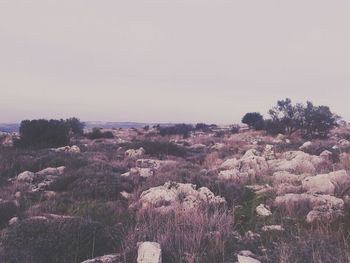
(141, 197)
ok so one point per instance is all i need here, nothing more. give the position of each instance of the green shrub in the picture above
(98, 134)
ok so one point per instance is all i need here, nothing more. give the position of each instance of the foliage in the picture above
(76, 127)
(98, 134)
(56, 240)
(178, 129)
(253, 120)
(43, 134)
(160, 149)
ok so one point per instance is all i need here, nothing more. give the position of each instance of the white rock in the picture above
(326, 156)
(245, 259)
(326, 183)
(149, 252)
(248, 167)
(263, 211)
(51, 171)
(305, 146)
(296, 162)
(13, 221)
(26, 177)
(132, 153)
(180, 196)
(318, 206)
(272, 228)
(229, 164)
(104, 259)
(287, 177)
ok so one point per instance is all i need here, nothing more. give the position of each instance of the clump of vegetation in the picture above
(98, 134)
(310, 120)
(57, 240)
(254, 120)
(178, 129)
(47, 133)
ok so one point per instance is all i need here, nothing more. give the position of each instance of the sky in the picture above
(171, 61)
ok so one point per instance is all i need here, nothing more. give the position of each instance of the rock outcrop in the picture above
(317, 207)
(296, 162)
(250, 166)
(182, 197)
(327, 183)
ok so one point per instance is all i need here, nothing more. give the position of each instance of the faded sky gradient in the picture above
(171, 61)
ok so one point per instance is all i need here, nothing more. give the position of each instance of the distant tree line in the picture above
(287, 118)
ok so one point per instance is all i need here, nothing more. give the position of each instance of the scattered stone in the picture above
(305, 146)
(263, 211)
(115, 258)
(272, 228)
(149, 252)
(13, 221)
(246, 256)
(327, 156)
(132, 153)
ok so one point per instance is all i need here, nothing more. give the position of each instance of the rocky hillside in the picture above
(213, 196)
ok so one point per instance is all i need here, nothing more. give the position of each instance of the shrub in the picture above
(57, 240)
(98, 134)
(202, 127)
(254, 120)
(8, 209)
(178, 129)
(75, 126)
(43, 134)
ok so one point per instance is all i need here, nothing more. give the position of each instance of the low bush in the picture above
(98, 134)
(57, 240)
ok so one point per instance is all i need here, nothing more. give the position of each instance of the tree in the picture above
(254, 120)
(75, 126)
(312, 121)
(43, 133)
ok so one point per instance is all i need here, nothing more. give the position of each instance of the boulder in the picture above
(183, 197)
(326, 207)
(25, 177)
(281, 177)
(269, 153)
(305, 146)
(296, 162)
(326, 183)
(51, 171)
(149, 252)
(250, 166)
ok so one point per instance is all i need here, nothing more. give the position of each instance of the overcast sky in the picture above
(171, 61)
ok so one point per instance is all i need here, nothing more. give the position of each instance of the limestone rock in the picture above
(263, 211)
(105, 259)
(326, 183)
(305, 146)
(173, 195)
(296, 162)
(149, 252)
(132, 153)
